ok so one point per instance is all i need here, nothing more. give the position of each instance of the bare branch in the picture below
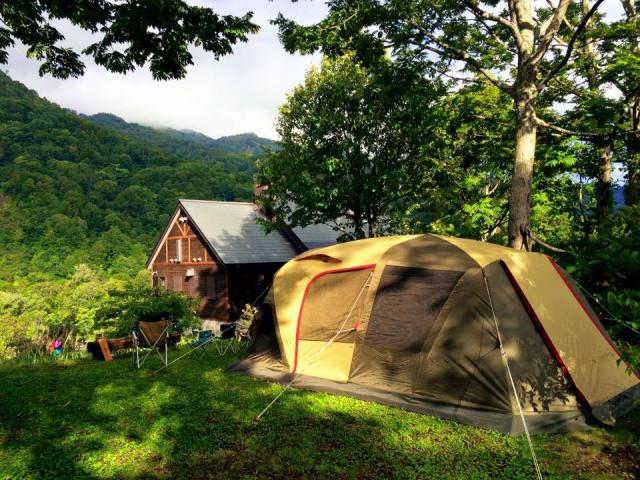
(550, 31)
(623, 90)
(564, 17)
(340, 228)
(545, 244)
(490, 232)
(561, 64)
(492, 33)
(493, 189)
(479, 13)
(470, 80)
(561, 42)
(595, 135)
(484, 15)
(541, 123)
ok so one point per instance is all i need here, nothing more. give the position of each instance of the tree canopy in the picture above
(513, 45)
(355, 141)
(127, 35)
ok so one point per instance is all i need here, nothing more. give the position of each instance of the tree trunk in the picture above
(604, 197)
(358, 227)
(632, 190)
(526, 131)
(373, 229)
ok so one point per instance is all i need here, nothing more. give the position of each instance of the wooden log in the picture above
(104, 348)
(123, 343)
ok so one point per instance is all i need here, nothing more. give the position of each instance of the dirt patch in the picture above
(625, 457)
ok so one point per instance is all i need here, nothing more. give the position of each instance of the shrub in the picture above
(75, 309)
(131, 300)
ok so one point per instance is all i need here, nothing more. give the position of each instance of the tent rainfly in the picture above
(441, 326)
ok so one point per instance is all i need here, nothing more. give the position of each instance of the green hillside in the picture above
(231, 151)
(73, 191)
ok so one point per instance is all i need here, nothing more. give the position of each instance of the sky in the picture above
(239, 93)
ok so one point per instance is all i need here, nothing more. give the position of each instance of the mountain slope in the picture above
(72, 191)
(187, 143)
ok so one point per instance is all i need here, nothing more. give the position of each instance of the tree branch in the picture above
(564, 17)
(541, 123)
(614, 134)
(535, 238)
(484, 15)
(550, 31)
(492, 34)
(487, 234)
(561, 64)
(457, 54)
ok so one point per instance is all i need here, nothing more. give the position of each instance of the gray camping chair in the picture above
(231, 337)
(152, 336)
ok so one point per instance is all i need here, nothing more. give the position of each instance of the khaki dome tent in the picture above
(412, 323)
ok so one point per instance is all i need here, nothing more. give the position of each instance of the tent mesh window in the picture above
(407, 303)
(328, 302)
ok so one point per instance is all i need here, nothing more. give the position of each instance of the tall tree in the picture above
(602, 84)
(594, 117)
(621, 49)
(508, 43)
(130, 34)
(353, 144)
(604, 195)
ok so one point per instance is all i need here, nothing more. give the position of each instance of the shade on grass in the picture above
(91, 419)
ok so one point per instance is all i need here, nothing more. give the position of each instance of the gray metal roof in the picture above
(231, 230)
(316, 236)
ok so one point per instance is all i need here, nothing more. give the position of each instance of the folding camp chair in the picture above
(152, 336)
(205, 337)
(242, 336)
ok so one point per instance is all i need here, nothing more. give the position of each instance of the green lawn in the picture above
(88, 419)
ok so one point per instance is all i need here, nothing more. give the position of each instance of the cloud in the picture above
(239, 93)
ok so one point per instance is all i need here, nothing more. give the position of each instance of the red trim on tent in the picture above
(590, 313)
(372, 266)
(542, 331)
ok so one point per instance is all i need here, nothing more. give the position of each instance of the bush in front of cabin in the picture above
(136, 299)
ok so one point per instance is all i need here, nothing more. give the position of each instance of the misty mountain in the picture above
(186, 143)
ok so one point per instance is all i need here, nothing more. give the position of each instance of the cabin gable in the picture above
(182, 262)
(218, 252)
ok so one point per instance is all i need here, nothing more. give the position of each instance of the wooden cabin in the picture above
(217, 251)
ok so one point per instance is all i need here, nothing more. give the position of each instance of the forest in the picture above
(81, 202)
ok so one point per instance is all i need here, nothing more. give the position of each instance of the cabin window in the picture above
(162, 281)
(211, 287)
(179, 249)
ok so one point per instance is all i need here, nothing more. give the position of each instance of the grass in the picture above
(88, 419)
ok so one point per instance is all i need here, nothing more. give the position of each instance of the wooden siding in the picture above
(207, 272)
